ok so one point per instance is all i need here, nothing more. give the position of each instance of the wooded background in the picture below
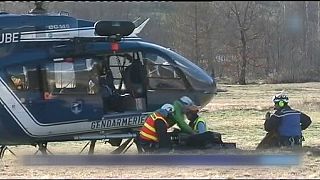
(242, 41)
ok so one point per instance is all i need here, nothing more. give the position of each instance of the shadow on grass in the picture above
(312, 151)
(315, 150)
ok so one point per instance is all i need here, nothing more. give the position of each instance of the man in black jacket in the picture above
(284, 126)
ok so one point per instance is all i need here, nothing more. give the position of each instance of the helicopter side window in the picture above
(64, 75)
(18, 78)
(160, 73)
(24, 78)
(72, 76)
(117, 65)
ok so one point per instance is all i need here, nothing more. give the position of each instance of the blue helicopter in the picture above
(68, 79)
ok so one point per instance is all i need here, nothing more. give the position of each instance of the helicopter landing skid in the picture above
(91, 148)
(123, 148)
(43, 149)
(3, 148)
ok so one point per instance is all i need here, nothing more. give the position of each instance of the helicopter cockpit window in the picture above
(160, 73)
(197, 77)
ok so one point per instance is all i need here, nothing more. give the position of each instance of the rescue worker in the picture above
(154, 136)
(203, 138)
(196, 122)
(285, 125)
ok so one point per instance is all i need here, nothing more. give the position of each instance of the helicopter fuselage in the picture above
(77, 88)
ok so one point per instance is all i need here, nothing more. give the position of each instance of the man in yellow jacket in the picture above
(203, 137)
(197, 123)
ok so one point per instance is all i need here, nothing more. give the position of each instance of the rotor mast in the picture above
(38, 8)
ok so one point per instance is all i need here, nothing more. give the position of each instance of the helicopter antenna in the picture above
(38, 8)
(138, 29)
(136, 19)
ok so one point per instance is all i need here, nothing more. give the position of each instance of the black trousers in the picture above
(148, 146)
(273, 140)
(152, 147)
(203, 139)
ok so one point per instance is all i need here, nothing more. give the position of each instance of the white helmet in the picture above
(188, 103)
(280, 97)
(168, 107)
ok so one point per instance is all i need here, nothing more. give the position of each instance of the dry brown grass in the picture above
(237, 113)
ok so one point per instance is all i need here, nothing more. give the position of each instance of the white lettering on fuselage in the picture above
(7, 38)
(58, 26)
(119, 122)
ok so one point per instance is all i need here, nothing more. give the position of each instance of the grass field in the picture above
(237, 112)
(240, 111)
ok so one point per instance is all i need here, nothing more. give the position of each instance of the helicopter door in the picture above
(165, 83)
(130, 79)
(72, 89)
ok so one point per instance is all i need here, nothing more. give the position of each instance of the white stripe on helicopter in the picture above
(59, 34)
(29, 124)
(26, 36)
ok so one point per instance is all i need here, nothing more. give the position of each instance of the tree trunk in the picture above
(267, 54)
(243, 66)
(196, 33)
(242, 27)
(306, 48)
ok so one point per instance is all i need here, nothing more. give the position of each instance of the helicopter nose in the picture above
(205, 83)
(211, 86)
(210, 89)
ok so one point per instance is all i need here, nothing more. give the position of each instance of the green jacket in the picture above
(179, 119)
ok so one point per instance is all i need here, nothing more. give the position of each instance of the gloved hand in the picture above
(176, 130)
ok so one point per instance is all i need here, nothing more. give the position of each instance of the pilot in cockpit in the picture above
(18, 83)
(135, 79)
(111, 98)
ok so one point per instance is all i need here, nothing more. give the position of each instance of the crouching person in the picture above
(203, 138)
(284, 126)
(153, 134)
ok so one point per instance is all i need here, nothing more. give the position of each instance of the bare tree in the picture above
(245, 16)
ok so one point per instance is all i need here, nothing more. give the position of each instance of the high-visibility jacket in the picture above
(196, 122)
(148, 131)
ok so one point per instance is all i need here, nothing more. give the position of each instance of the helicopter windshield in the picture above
(198, 78)
(161, 74)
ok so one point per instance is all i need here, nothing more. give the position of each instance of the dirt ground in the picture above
(11, 168)
(309, 168)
